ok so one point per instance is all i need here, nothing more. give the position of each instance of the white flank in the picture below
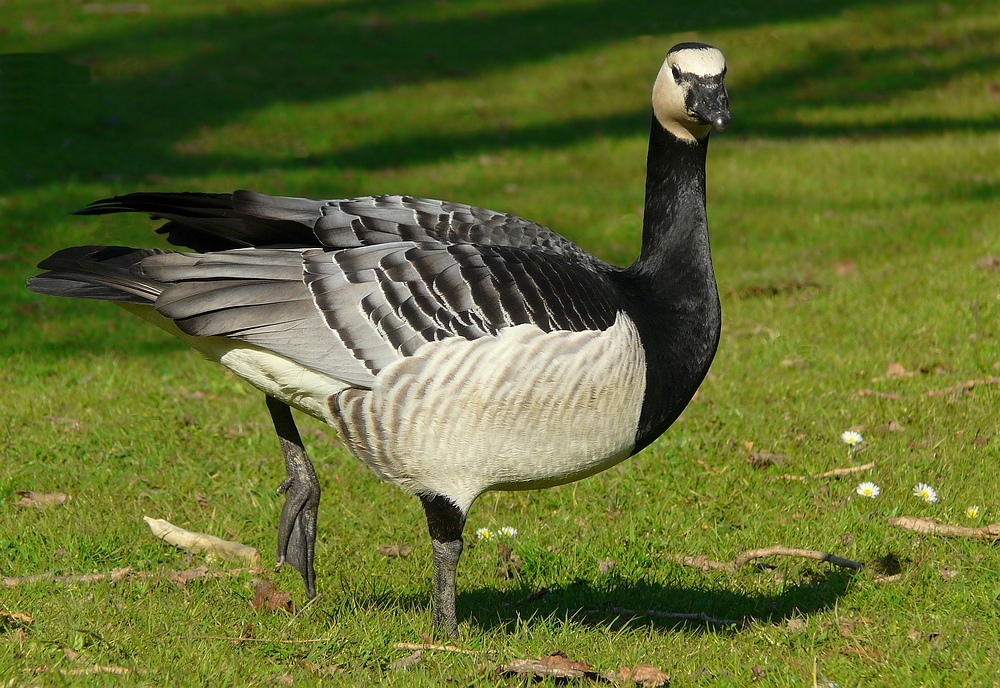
(272, 374)
(522, 410)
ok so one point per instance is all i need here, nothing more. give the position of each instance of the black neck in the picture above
(674, 295)
(674, 218)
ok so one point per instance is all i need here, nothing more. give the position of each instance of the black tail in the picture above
(108, 273)
(207, 222)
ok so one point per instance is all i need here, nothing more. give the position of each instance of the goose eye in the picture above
(676, 71)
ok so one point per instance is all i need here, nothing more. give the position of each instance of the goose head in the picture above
(689, 95)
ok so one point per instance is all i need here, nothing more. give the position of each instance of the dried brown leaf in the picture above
(269, 597)
(556, 665)
(39, 500)
(508, 563)
(796, 625)
(604, 566)
(408, 661)
(897, 370)
(988, 263)
(847, 267)
(12, 619)
(401, 551)
(765, 459)
(181, 578)
(644, 675)
(201, 499)
(68, 424)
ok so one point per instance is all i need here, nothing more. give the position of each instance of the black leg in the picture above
(297, 525)
(445, 522)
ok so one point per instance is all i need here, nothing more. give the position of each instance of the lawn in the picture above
(853, 208)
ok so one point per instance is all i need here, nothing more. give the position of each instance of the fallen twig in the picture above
(835, 473)
(962, 386)
(300, 612)
(674, 616)
(838, 472)
(97, 669)
(883, 579)
(705, 564)
(126, 573)
(789, 476)
(928, 526)
(878, 395)
(209, 545)
(432, 646)
(530, 597)
(236, 639)
(779, 550)
(114, 576)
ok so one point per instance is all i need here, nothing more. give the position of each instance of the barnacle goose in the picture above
(455, 349)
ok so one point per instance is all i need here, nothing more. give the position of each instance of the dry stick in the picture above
(835, 473)
(778, 550)
(300, 612)
(838, 472)
(115, 576)
(98, 669)
(676, 616)
(235, 639)
(431, 646)
(930, 527)
(126, 573)
(961, 387)
(705, 564)
(879, 395)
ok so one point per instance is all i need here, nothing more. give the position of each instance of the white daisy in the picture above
(484, 533)
(869, 489)
(925, 492)
(852, 438)
(972, 512)
(507, 532)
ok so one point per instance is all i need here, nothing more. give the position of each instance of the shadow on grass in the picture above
(126, 128)
(613, 602)
(632, 603)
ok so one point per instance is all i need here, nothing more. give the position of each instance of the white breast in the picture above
(522, 410)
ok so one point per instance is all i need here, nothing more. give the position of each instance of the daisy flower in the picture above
(484, 533)
(868, 489)
(852, 438)
(925, 492)
(507, 532)
(972, 512)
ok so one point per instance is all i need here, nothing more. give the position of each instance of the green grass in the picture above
(849, 204)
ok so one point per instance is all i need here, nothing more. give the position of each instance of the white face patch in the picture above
(669, 95)
(698, 61)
